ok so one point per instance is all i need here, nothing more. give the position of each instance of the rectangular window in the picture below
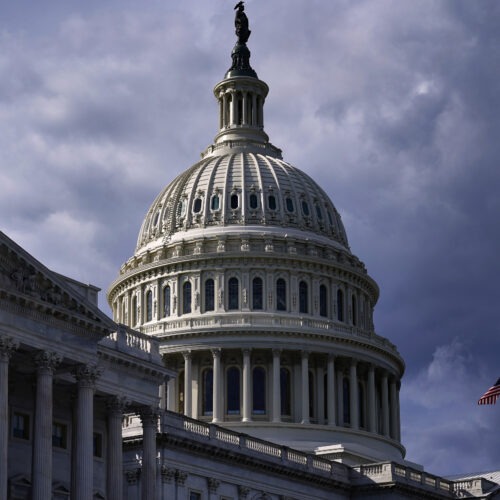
(20, 425)
(194, 495)
(59, 435)
(97, 445)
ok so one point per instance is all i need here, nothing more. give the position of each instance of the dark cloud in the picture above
(391, 106)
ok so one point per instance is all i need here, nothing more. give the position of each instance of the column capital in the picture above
(47, 361)
(87, 375)
(277, 352)
(116, 405)
(149, 415)
(187, 355)
(246, 350)
(216, 352)
(180, 477)
(212, 484)
(331, 356)
(353, 362)
(7, 346)
(243, 492)
(304, 354)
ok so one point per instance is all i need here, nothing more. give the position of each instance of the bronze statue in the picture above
(241, 23)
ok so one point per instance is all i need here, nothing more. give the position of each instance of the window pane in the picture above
(340, 305)
(305, 208)
(166, 301)
(58, 435)
(347, 401)
(20, 426)
(233, 299)
(209, 295)
(354, 311)
(259, 391)
(272, 202)
(323, 301)
(234, 201)
(180, 392)
(281, 295)
(97, 445)
(257, 293)
(186, 298)
(318, 212)
(303, 306)
(149, 305)
(311, 394)
(197, 205)
(254, 202)
(233, 391)
(289, 204)
(215, 202)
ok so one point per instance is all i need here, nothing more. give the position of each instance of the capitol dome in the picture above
(243, 271)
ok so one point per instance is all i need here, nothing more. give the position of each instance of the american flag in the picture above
(491, 395)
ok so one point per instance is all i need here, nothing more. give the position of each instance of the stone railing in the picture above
(129, 341)
(264, 321)
(391, 472)
(259, 448)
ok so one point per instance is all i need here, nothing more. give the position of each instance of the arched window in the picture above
(354, 306)
(323, 301)
(319, 214)
(303, 298)
(186, 297)
(207, 391)
(311, 394)
(234, 201)
(233, 391)
(281, 294)
(340, 305)
(166, 301)
(233, 301)
(289, 204)
(361, 404)
(257, 294)
(134, 311)
(209, 295)
(346, 400)
(259, 390)
(180, 392)
(285, 391)
(254, 201)
(149, 305)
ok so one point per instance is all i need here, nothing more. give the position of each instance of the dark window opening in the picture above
(257, 294)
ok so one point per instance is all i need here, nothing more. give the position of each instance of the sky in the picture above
(391, 106)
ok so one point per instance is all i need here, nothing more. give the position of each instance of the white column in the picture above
(276, 385)
(188, 384)
(114, 460)
(372, 412)
(149, 418)
(224, 111)
(244, 120)
(385, 405)
(7, 346)
(398, 429)
(46, 363)
(330, 388)
(305, 387)
(216, 417)
(394, 409)
(340, 398)
(86, 376)
(254, 109)
(246, 386)
(353, 395)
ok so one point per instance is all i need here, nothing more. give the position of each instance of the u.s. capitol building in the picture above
(242, 354)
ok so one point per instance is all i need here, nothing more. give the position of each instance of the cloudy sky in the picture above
(392, 106)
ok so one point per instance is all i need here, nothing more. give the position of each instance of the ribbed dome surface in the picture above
(241, 189)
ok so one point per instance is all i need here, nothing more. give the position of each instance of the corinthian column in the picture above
(86, 376)
(246, 386)
(217, 384)
(188, 384)
(149, 418)
(330, 389)
(114, 465)
(305, 387)
(354, 396)
(276, 385)
(7, 346)
(46, 363)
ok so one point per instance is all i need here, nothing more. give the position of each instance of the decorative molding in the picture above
(7, 347)
(132, 475)
(116, 405)
(167, 474)
(149, 415)
(213, 484)
(87, 375)
(47, 361)
(243, 492)
(180, 477)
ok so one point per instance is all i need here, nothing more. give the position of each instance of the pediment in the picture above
(27, 282)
